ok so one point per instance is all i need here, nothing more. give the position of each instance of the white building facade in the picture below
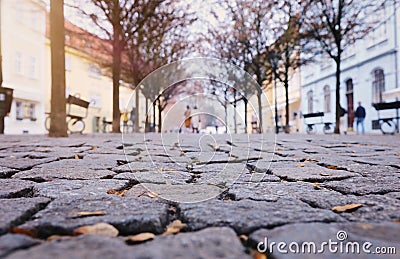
(369, 74)
(23, 27)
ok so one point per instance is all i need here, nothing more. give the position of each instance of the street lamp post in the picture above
(274, 59)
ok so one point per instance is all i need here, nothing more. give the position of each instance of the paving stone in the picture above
(150, 166)
(365, 185)
(208, 243)
(11, 188)
(246, 216)
(12, 242)
(312, 173)
(23, 163)
(16, 211)
(94, 164)
(6, 172)
(157, 177)
(183, 193)
(386, 234)
(129, 216)
(42, 174)
(76, 188)
(85, 246)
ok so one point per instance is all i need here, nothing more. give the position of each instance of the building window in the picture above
(94, 71)
(378, 34)
(25, 110)
(310, 101)
(32, 71)
(378, 85)
(327, 98)
(18, 63)
(19, 112)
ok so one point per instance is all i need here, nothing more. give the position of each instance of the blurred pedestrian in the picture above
(124, 116)
(188, 119)
(196, 125)
(360, 117)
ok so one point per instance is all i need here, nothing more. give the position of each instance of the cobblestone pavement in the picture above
(318, 188)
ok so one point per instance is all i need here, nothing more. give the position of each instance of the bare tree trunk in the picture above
(337, 122)
(154, 117)
(245, 115)
(159, 116)
(137, 110)
(58, 125)
(260, 117)
(116, 71)
(287, 127)
(146, 124)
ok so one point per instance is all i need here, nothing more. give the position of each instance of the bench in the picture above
(310, 126)
(77, 110)
(387, 125)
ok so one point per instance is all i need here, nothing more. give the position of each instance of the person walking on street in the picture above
(360, 116)
(188, 119)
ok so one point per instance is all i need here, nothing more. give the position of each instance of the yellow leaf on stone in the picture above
(300, 165)
(346, 208)
(333, 167)
(54, 237)
(316, 186)
(139, 238)
(88, 213)
(311, 160)
(244, 238)
(323, 174)
(257, 255)
(152, 194)
(119, 193)
(103, 229)
(76, 156)
(174, 227)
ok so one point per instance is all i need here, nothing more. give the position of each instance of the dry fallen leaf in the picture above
(346, 208)
(323, 174)
(139, 238)
(257, 255)
(311, 160)
(333, 167)
(316, 186)
(25, 231)
(174, 227)
(244, 238)
(103, 229)
(119, 193)
(76, 156)
(87, 213)
(152, 194)
(300, 165)
(54, 237)
(94, 147)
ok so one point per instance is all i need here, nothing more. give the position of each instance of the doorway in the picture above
(350, 104)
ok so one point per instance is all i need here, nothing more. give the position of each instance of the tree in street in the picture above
(58, 125)
(337, 24)
(292, 47)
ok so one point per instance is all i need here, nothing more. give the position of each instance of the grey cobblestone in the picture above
(290, 196)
